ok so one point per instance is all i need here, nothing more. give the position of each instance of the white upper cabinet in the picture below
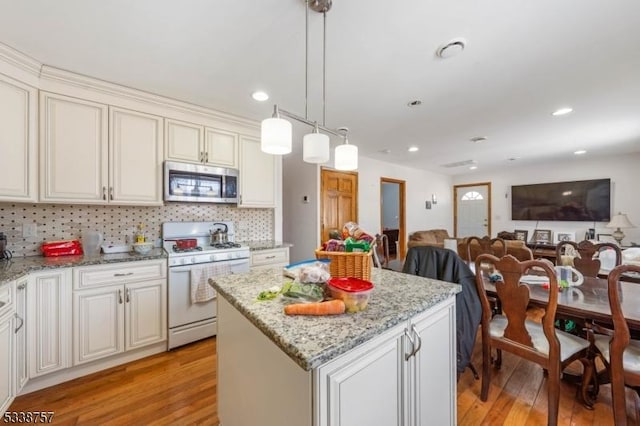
(198, 144)
(184, 141)
(221, 148)
(18, 139)
(135, 157)
(96, 154)
(257, 175)
(73, 150)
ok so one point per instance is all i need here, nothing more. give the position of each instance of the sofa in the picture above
(431, 237)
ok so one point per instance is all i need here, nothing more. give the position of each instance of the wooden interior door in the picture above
(338, 200)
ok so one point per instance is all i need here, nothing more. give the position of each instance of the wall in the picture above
(623, 171)
(301, 220)
(61, 222)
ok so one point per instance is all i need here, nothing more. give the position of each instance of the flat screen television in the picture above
(582, 200)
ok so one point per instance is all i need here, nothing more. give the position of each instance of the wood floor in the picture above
(179, 387)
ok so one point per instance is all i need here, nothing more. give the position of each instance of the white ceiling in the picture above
(523, 60)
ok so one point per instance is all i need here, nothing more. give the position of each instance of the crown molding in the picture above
(105, 87)
(19, 60)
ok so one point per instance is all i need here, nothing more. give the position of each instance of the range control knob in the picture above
(193, 260)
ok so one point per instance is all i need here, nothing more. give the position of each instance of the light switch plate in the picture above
(29, 230)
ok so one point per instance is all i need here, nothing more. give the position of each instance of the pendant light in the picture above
(346, 155)
(276, 132)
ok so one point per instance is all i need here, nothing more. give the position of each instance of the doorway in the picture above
(392, 215)
(472, 210)
(338, 200)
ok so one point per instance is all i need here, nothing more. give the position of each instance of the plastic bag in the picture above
(315, 273)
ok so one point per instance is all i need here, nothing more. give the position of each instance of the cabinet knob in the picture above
(206, 157)
(104, 192)
(418, 339)
(123, 275)
(127, 296)
(21, 323)
(120, 296)
(111, 193)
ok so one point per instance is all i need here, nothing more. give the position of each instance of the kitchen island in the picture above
(391, 364)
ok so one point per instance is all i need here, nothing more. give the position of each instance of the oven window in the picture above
(195, 185)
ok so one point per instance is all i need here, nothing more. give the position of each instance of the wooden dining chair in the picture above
(381, 254)
(540, 343)
(485, 245)
(587, 260)
(620, 354)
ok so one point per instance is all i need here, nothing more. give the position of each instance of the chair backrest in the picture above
(514, 297)
(587, 261)
(485, 245)
(621, 337)
(381, 251)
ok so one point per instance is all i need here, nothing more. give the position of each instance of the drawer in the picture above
(6, 298)
(117, 273)
(268, 257)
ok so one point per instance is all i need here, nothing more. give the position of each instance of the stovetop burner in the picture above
(225, 245)
(186, 250)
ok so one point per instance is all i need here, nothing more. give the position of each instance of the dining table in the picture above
(588, 301)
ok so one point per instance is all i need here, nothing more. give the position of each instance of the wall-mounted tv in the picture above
(582, 200)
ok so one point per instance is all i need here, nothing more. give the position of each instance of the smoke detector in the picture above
(451, 48)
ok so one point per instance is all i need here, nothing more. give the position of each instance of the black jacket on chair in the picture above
(445, 265)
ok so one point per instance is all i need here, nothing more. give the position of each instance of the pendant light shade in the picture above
(315, 148)
(346, 157)
(276, 136)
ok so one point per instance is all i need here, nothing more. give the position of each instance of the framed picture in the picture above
(564, 236)
(541, 236)
(607, 238)
(521, 234)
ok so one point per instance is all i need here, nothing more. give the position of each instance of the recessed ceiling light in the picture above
(473, 167)
(562, 111)
(478, 139)
(260, 96)
(413, 149)
(513, 158)
(415, 103)
(451, 48)
(385, 151)
(580, 152)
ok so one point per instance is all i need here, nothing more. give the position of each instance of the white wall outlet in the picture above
(29, 230)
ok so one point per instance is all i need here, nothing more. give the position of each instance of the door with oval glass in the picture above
(472, 209)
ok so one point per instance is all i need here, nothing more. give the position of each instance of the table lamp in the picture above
(619, 221)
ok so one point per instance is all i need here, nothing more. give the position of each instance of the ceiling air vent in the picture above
(459, 163)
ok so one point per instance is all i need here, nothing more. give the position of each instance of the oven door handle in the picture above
(187, 268)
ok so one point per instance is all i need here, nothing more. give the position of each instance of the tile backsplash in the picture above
(65, 221)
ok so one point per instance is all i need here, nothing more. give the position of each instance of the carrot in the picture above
(331, 307)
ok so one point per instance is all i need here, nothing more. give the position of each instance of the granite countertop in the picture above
(20, 266)
(265, 245)
(311, 340)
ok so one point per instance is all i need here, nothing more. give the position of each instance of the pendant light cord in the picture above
(306, 63)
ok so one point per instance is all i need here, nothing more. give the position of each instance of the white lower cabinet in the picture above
(6, 360)
(270, 258)
(49, 321)
(414, 379)
(109, 318)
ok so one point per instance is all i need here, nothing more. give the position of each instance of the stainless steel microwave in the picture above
(199, 183)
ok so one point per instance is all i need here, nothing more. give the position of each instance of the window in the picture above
(472, 196)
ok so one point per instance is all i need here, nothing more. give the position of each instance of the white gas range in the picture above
(188, 321)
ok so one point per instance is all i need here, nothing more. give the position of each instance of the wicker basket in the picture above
(355, 264)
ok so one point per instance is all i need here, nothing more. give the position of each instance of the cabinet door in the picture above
(135, 157)
(433, 369)
(366, 386)
(221, 148)
(49, 304)
(73, 150)
(184, 141)
(21, 372)
(18, 139)
(98, 323)
(257, 175)
(146, 313)
(6, 359)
